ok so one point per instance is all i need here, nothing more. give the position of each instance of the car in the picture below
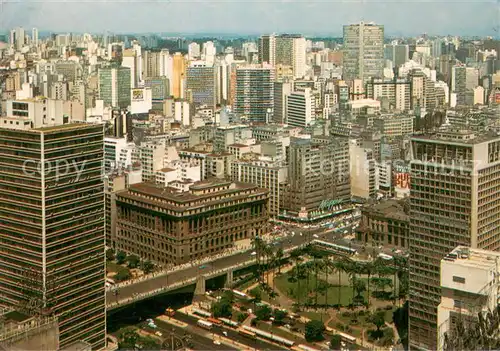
(225, 333)
(216, 342)
(203, 266)
(253, 253)
(316, 236)
(158, 333)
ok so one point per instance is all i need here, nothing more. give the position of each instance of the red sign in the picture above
(402, 180)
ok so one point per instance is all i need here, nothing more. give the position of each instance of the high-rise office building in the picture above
(34, 36)
(300, 108)
(114, 86)
(194, 51)
(397, 53)
(52, 227)
(459, 83)
(178, 76)
(363, 51)
(281, 92)
(284, 50)
(267, 49)
(201, 84)
(454, 201)
(17, 38)
(254, 92)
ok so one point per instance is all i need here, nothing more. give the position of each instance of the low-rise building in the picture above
(385, 223)
(167, 226)
(470, 285)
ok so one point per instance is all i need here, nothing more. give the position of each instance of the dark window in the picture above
(458, 279)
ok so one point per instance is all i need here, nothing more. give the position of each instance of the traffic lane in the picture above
(231, 333)
(157, 282)
(198, 341)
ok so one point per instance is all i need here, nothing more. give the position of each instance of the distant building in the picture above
(115, 86)
(363, 51)
(211, 217)
(201, 83)
(300, 108)
(254, 92)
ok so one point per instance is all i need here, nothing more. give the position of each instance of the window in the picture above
(458, 279)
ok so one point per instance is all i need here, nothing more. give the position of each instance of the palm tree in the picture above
(339, 267)
(295, 257)
(258, 244)
(327, 265)
(279, 258)
(368, 269)
(269, 254)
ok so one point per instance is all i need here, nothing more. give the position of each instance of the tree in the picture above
(336, 342)
(110, 254)
(222, 308)
(241, 317)
(279, 316)
(314, 331)
(147, 266)
(378, 319)
(122, 275)
(127, 339)
(133, 261)
(256, 293)
(279, 258)
(368, 269)
(228, 295)
(263, 313)
(120, 257)
(359, 286)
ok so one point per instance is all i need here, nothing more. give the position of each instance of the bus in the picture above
(204, 324)
(214, 321)
(229, 322)
(202, 313)
(384, 256)
(269, 336)
(347, 338)
(246, 333)
(334, 247)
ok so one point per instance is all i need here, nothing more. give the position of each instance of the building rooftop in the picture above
(389, 208)
(63, 127)
(458, 136)
(475, 258)
(16, 316)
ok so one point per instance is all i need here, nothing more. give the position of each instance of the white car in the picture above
(253, 253)
(216, 342)
(158, 333)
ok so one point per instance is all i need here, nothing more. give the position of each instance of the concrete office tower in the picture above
(254, 92)
(300, 108)
(453, 202)
(281, 91)
(17, 38)
(209, 52)
(129, 61)
(178, 76)
(363, 51)
(459, 83)
(397, 53)
(290, 50)
(267, 49)
(52, 251)
(201, 83)
(34, 37)
(318, 170)
(194, 51)
(114, 86)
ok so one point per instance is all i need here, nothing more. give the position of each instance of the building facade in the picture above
(115, 86)
(254, 92)
(171, 227)
(453, 196)
(52, 227)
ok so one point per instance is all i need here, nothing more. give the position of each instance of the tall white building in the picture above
(194, 51)
(300, 108)
(363, 51)
(209, 52)
(34, 36)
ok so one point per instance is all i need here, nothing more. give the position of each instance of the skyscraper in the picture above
(254, 92)
(34, 36)
(201, 83)
(363, 51)
(300, 108)
(114, 86)
(52, 227)
(454, 201)
(178, 76)
(286, 49)
(267, 48)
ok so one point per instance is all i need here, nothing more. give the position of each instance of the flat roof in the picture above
(63, 127)
(458, 137)
(388, 208)
(16, 316)
(474, 258)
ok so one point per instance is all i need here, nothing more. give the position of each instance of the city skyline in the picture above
(228, 16)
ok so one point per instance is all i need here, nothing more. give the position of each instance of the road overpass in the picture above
(163, 282)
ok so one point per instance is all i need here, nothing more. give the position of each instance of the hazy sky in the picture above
(472, 17)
